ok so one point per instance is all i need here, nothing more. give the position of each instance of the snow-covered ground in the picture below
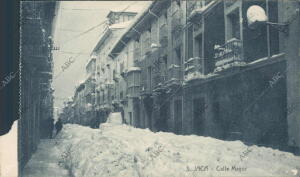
(116, 150)
(44, 163)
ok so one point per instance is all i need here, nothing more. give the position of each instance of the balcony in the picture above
(193, 69)
(159, 84)
(229, 55)
(133, 81)
(174, 75)
(158, 79)
(163, 35)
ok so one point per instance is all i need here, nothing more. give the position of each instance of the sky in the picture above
(76, 41)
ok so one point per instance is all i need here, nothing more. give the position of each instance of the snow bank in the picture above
(122, 151)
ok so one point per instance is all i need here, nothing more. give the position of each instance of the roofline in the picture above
(130, 28)
(107, 32)
(111, 11)
(89, 62)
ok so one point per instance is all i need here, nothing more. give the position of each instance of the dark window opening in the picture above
(178, 116)
(198, 116)
(149, 77)
(234, 25)
(165, 60)
(130, 118)
(198, 46)
(178, 55)
(190, 42)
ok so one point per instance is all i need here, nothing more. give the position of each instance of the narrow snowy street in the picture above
(119, 150)
(45, 161)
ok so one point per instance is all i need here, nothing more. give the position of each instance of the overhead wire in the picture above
(94, 27)
(83, 33)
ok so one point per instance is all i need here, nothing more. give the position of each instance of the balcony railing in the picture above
(193, 68)
(174, 72)
(228, 55)
(159, 83)
(158, 79)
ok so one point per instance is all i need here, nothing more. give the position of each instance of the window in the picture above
(198, 46)
(146, 42)
(165, 62)
(130, 118)
(98, 97)
(178, 116)
(149, 77)
(198, 116)
(234, 25)
(137, 50)
(190, 41)
(117, 19)
(121, 95)
(115, 76)
(154, 32)
(121, 67)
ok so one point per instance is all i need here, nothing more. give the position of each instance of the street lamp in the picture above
(256, 16)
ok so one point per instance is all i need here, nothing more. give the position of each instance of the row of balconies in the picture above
(226, 56)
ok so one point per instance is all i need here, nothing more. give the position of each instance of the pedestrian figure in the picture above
(58, 126)
(51, 127)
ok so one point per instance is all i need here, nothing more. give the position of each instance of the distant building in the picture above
(67, 114)
(79, 102)
(89, 91)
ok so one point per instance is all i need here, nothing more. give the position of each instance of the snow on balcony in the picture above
(229, 55)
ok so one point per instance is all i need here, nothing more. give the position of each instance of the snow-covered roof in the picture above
(101, 40)
(130, 8)
(120, 25)
(80, 82)
(134, 69)
(135, 21)
(89, 61)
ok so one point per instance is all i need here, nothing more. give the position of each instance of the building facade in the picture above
(201, 67)
(110, 85)
(36, 75)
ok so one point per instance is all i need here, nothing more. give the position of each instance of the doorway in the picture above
(178, 116)
(198, 116)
